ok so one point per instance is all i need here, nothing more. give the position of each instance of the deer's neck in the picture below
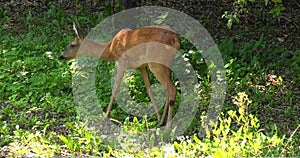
(97, 49)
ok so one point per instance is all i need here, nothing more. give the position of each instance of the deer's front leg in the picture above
(120, 73)
(145, 76)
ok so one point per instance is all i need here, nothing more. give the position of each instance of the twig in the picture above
(285, 18)
(297, 3)
(294, 132)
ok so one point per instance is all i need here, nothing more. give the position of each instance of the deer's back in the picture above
(128, 39)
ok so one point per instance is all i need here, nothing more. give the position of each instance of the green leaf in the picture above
(229, 23)
(64, 139)
(178, 146)
(88, 136)
(197, 140)
(266, 2)
(70, 125)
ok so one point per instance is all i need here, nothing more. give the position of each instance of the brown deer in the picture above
(152, 46)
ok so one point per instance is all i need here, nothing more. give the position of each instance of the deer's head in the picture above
(72, 49)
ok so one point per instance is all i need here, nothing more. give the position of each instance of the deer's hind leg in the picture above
(164, 76)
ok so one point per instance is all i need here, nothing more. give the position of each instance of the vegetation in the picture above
(241, 7)
(38, 115)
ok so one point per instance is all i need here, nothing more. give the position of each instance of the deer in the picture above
(152, 47)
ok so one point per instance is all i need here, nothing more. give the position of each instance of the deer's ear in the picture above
(79, 32)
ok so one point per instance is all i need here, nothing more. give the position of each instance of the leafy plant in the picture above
(241, 7)
(82, 140)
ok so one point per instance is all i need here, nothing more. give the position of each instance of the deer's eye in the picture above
(72, 45)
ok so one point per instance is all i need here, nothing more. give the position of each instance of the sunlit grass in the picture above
(38, 115)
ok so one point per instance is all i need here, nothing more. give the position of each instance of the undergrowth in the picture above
(38, 115)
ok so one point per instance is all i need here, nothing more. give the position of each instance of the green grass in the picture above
(38, 115)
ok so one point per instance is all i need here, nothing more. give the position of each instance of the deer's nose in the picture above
(62, 57)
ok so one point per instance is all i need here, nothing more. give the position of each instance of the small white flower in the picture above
(169, 150)
(186, 59)
(157, 131)
(49, 55)
(191, 52)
